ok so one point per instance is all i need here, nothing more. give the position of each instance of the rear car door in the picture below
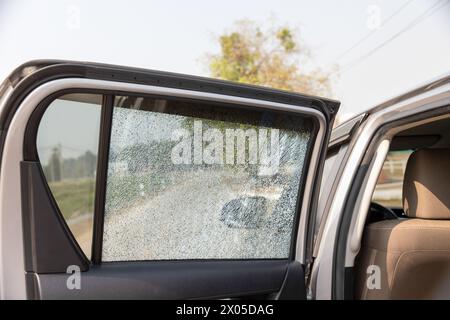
(123, 183)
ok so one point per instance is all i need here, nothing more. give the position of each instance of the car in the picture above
(125, 183)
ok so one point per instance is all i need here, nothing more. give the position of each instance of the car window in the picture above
(192, 180)
(67, 144)
(388, 191)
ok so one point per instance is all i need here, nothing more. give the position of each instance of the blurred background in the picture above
(357, 51)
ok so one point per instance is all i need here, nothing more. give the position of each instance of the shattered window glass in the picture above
(192, 180)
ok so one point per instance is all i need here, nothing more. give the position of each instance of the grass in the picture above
(74, 197)
(124, 190)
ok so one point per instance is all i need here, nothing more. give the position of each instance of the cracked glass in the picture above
(192, 180)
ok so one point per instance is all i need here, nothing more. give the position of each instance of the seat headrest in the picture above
(426, 186)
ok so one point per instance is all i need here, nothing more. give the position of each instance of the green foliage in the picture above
(284, 35)
(74, 197)
(274, 58)
(72, 182)
(59, 168)
(128, 189)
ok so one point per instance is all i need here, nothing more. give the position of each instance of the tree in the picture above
(275, 58)
(54, 164)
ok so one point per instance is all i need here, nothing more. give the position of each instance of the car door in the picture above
(123, 183)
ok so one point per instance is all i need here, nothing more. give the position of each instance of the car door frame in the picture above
(55, 76)
(333, 268)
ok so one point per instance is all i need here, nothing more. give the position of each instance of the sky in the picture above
(405, 42)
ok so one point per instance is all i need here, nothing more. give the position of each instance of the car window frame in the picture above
(33, 81)
(30, 153)
(300, 193)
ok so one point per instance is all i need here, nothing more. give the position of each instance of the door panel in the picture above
(163, 280)
(229, 229)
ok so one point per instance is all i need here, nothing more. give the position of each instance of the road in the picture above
(182, 222)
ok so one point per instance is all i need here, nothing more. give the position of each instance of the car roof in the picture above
(343, 131)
